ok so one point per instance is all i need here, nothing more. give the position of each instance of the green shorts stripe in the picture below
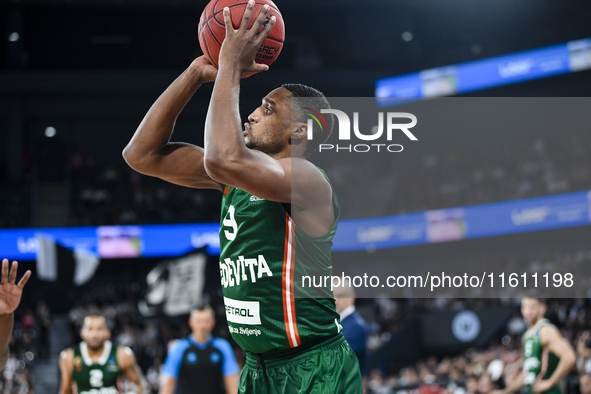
(330, 367)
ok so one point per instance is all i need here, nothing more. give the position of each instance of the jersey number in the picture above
(96, 378)
(230, 222)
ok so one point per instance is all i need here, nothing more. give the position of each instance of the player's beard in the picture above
(97, 347)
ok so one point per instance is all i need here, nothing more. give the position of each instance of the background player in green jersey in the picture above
(95, 365)
(548, 356)
(271, 192)
(10, 297)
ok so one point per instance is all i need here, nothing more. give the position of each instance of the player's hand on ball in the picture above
(10, 291)
(241, 46)
(206, 71)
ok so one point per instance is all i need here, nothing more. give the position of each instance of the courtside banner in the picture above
(445, 197)
(366, 234)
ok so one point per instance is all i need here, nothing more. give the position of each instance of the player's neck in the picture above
(536, 322)
(96, 353)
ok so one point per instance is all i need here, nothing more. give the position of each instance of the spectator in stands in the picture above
(354, 327)
(585, 383)
(584, 352)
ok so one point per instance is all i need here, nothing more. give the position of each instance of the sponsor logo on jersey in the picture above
(245, 331)
(233, 272)
(242, 312)
(255, 198)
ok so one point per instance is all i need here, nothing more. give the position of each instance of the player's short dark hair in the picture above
(315, 99)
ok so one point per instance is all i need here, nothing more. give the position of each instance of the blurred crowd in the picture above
(29, 344)
(482, 371)
(462, 175)
(465, 175)
(119, 195)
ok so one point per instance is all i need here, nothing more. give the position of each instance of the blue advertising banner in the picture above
(487, 220)
(486, 73)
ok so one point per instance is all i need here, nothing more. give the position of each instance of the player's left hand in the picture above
(241, 46)
(10, 292)
(542, 385)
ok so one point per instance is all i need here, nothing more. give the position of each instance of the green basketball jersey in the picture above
(539, 361)
(263, 257)
(96, 378)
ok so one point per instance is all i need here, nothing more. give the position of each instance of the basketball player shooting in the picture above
(279, 215)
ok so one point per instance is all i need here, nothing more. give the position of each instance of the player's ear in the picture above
(299, 131)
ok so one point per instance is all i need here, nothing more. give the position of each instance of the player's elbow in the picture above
(136, 160)
(570, 358)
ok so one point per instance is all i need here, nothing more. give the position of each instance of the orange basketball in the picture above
(212, 29)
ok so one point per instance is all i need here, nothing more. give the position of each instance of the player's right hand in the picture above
(207, 72)
(10, 292)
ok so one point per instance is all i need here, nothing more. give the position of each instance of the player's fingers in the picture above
(266, 30)
(4, 270)
(257, 67)
(24, 279)
(262, 20)
(247, 15)
(228, 21)
(13, 272)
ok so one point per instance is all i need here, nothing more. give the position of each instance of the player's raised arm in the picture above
(150, 151)
(257, 159)
(131, 370)
(552, 338)
(66, 368)
(10, 297)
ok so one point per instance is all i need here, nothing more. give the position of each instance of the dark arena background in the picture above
(76, 78)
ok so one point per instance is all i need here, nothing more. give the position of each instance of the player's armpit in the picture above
(176, 162)
(66, 369)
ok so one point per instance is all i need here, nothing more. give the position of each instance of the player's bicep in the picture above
(555, 342)
(178, 163)
(254, 172)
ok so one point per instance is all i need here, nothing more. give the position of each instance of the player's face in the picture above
(532, 310)
(268, 127)
(95, 332)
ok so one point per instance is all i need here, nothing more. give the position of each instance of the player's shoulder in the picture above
(549, 331)
(125, 355)
(67, 353)
(66, 357)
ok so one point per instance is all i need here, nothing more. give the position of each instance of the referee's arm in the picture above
(170, 369)
(230, 368)
(168, 385)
